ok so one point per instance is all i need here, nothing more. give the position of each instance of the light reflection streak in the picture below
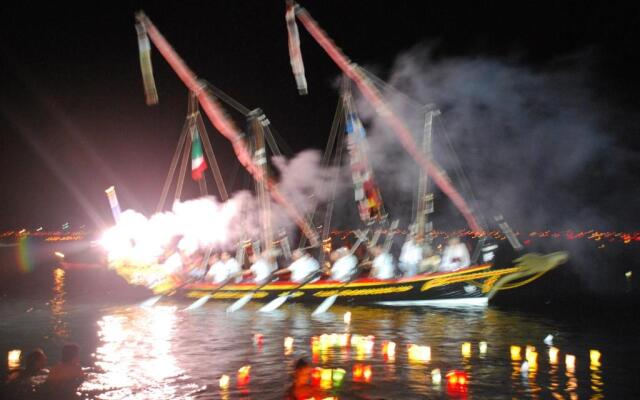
(135, 356)
(57, 303)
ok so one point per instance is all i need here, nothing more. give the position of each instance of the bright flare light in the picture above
(59, 254)
(13, 359)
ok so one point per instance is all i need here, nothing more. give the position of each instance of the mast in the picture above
(222, 123)
(425, 199)
(382, 108)
(257, 118)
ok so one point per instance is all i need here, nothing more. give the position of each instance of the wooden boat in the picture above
(472, 286)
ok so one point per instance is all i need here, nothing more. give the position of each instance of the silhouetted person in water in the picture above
(67, 375)
(21, 384)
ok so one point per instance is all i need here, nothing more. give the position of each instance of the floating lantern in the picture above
(366, 373)
(338, 376)
(258, 339)
(531, 356)
(419, 353)
(524, 368)
(594, 356)
(13, 359)
(288, 345)
(326, 378)
(389, 350)
(316, 374)
(515, 352)
(344, 340)
(243, 375)
(224, 382)
(457, 381)
(466, 349)
(548, 340)
(570, 362)
(553, 355)
(347, 317)
(482, 346)
(436, 376)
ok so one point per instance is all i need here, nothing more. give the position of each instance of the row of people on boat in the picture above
(415, 258)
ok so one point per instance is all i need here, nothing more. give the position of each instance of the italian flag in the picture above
(198, 164)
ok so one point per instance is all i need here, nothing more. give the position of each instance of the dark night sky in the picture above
(72, 114)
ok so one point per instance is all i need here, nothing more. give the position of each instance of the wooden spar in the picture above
(425, 200)
(222, 123)
(396, 125)
(260, 158)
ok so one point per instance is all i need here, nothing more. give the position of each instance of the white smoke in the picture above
(208, 223)
(530, 140)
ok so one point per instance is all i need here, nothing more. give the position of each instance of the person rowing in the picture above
(217, 271)
(411, 255)
(344, 264)
(382, 267)
(303, 266)
(231, 266)
(262, 266)
(455, 255)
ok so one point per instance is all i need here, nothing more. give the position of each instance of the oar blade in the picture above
(151, 301)
(325, 305)
(274, 304)
(198, 303)
(241, 302)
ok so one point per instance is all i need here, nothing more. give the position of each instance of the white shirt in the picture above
(302, 268)
(217, 272)
(261, 270)
(382, 267)
(344, 267)
(455, 257)
(233, 267)
(411, 253)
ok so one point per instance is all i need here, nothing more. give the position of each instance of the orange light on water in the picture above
(466, 349)
(553, 355)
(389, 350)
(13, 359)
(224, 382)
(243, 375)
(362, 373)
(288, 345)
(457, 381)
(347, 317)
(515, 352)
(570, 362)
(419, 353)
(594, 357)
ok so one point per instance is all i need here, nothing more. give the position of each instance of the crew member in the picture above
(344, 264)
(261, 267)
(303, 266)
(231, 266)
(382, 267)
(455, 255)
(411, 256)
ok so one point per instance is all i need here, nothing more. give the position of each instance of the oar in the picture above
(203, 300)
(242, 301)
(328, 302)
(278, 301)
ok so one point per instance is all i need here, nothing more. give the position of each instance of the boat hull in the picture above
(469, 286)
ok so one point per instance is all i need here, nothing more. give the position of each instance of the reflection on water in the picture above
(58, 312)
(165, 353)
(135, 358)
